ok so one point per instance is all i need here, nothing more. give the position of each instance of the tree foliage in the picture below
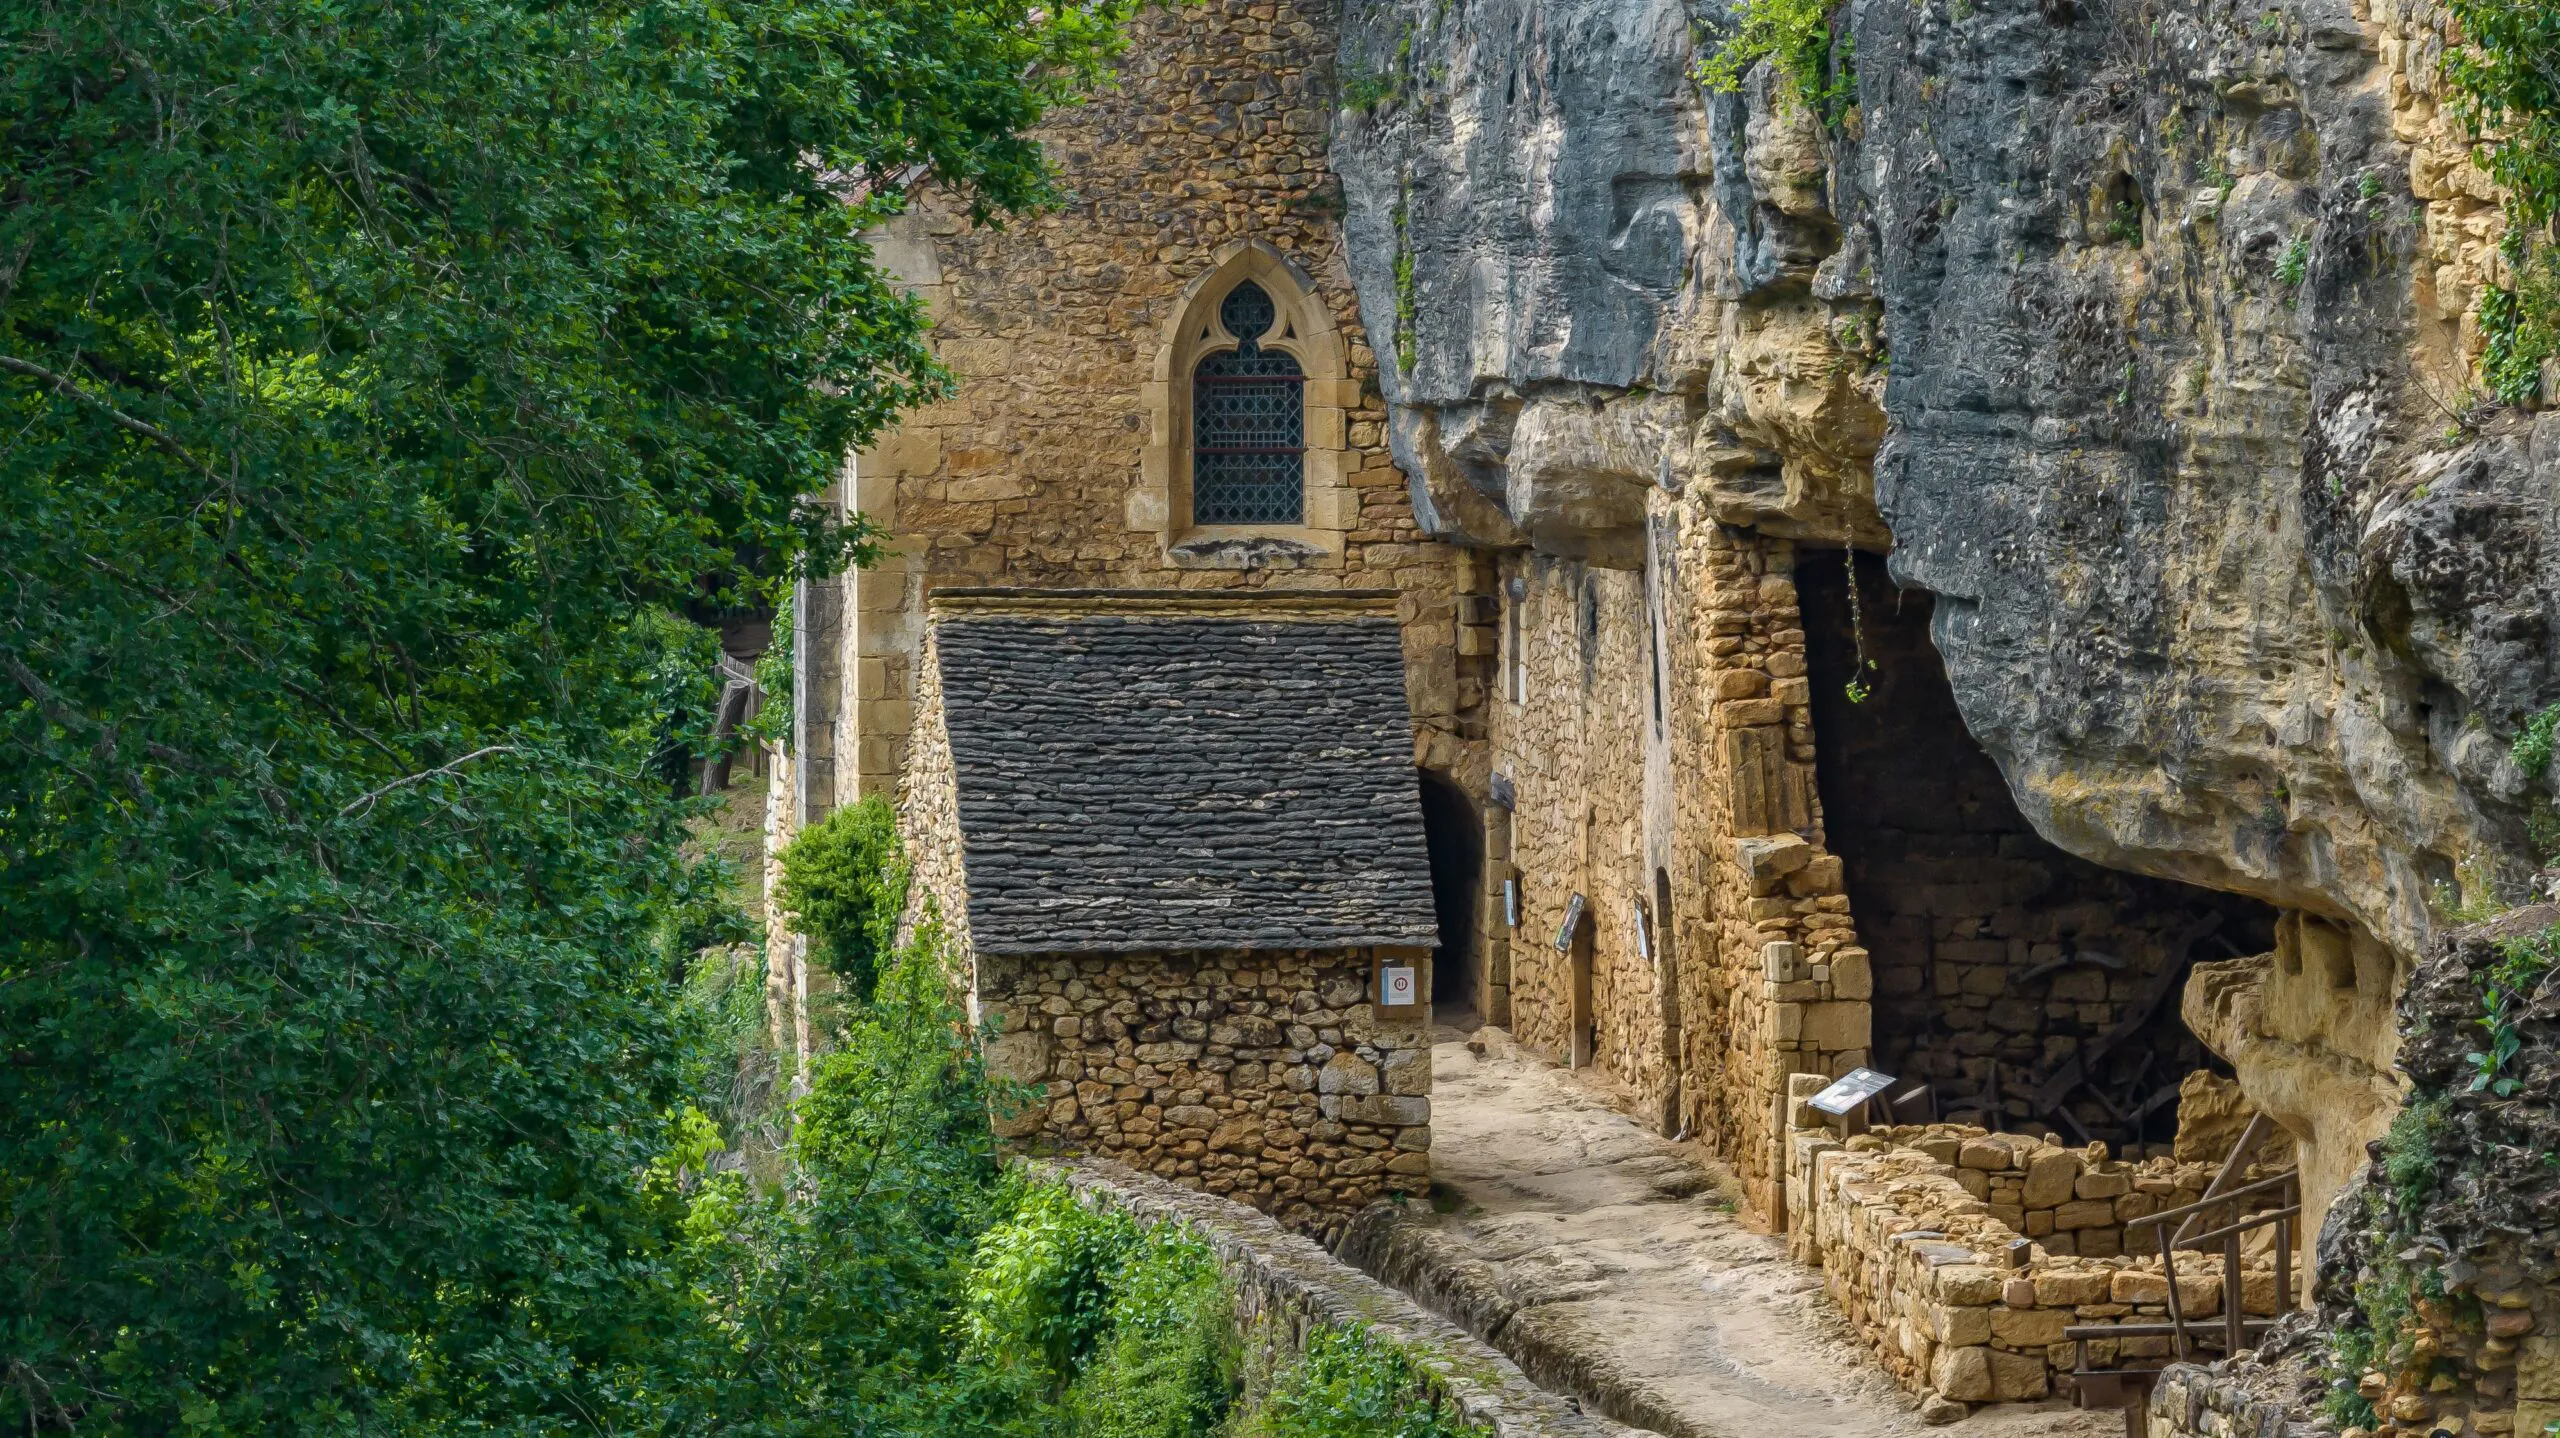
(1813, 65)
(844, 886)
(372, 379)
(2506, 83)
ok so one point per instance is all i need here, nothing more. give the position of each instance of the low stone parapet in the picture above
(1911, 1229)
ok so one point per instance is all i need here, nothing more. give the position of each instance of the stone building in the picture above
(1175, 837)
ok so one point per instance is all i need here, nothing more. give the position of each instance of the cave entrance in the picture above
(1454, 836)
(2032, 989)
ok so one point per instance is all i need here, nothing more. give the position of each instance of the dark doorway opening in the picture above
(2032, 988)
(1455, 837)
(1662, 925)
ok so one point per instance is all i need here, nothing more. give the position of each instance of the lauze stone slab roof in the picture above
(1182, 774)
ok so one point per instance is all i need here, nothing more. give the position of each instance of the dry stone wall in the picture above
(1265, 1077)
(1915, 1229)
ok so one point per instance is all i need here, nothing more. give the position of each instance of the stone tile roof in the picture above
(1143, 771)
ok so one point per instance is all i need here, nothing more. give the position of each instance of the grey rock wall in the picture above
(2121, 325)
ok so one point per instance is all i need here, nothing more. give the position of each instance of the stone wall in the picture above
(1914, 1229)
(1655, 730)
(1266, 1077)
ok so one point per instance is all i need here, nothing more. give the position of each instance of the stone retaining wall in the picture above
(1286, 1286)
(2247, 1399)
(1915, 1248)
(1266, 1077)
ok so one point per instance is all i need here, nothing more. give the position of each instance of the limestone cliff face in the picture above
(1600, 280)
(2139, 334)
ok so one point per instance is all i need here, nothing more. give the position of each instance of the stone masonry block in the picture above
(2028, 1327)
(1835, 1026)
(1967, 1284)
(1347, 1073)
(1963, 1374)
(1852, 976)
(1391, 1110)
(1960, 1327)
(2084, 1213)
(1770, 859)
(2538, 1368)
(2017, 1377)
(1983, 1154)
(2050, 1175)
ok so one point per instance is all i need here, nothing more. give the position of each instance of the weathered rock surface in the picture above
(2178, 304)
(1602, 281)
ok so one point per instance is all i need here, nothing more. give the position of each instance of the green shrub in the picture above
(2505, 82)
(825, 1304)
(844, 885)
(2294, 263)
(1134, 1331)
(1354, 1384)
(1167, 1366)
(1796, 36)
(1039, 1285)
(2532, 749)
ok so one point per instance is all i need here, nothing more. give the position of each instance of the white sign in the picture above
(1396, 988)
(1852, 1091)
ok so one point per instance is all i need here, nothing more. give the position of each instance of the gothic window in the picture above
(1248, 422)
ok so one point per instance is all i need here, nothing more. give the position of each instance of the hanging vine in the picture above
(1857, 688)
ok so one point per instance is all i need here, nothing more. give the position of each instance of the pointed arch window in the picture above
(1248, 422)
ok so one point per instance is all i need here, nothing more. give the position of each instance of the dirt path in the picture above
(1607, 1264)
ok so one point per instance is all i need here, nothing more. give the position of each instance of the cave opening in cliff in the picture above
(2030, 988)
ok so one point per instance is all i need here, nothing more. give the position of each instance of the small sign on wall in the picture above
(1399, 988)
(1572, 921)
(1511, 902)
(1396, 987)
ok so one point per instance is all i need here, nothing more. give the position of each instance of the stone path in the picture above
(1607, 1264)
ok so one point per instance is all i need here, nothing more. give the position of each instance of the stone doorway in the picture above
(2034, 991)
(1454, 835)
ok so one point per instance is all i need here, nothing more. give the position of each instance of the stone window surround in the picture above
(1305, 330)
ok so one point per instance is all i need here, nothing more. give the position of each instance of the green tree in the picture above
(372, 377)
(844, 885)
(827, 1306)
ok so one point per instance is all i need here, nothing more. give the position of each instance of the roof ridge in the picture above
(1278, 605)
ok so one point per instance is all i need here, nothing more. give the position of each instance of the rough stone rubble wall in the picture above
(1715, 796)
(1264, 1077)
(1913, 1233)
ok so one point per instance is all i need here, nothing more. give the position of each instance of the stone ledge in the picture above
(1280, 1275)
(1390, 1244)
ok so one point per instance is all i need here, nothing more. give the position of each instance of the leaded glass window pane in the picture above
(1248, 423)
